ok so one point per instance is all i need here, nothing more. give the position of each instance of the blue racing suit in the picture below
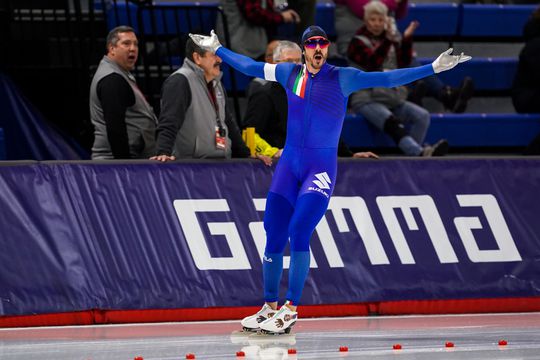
(305, 175)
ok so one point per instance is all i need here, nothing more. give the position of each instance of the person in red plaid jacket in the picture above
(378, 46)
(349, 17)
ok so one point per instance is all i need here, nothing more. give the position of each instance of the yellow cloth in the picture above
(261, 147)
(264, 148)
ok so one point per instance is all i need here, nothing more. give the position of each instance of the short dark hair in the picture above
(191, 48)
(112, 37)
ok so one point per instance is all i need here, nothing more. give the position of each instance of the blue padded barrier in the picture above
(137, 235)
(487, 73)
(461, 130)
(435, 19)
(2, 145)
(494, 20)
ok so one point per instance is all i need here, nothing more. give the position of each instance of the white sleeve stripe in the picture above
(270, 72)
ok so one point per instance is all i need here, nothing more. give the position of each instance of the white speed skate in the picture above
(251, 323)
(280, 323)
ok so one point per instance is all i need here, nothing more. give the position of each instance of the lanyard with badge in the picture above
(220, 133)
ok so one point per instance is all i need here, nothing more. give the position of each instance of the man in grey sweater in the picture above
(195, 121)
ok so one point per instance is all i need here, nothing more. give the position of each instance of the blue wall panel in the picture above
(145, 235)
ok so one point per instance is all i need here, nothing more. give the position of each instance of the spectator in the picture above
(267, 105)
(124, 122)
(526, 87)
(375, 48)
(195, 121)
(269, 54)
(349, 15)
(252, 23)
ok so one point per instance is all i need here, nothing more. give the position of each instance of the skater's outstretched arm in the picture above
(352, 79)
(244, 64)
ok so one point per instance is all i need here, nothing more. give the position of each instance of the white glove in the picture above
(208, 43)
(445, 61)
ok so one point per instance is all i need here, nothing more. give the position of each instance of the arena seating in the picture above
(461, 130)
(446, 22)
(440, 20)
(487, 20)
(437, 20)
(481, 70)
(465, 23)
(170, 18)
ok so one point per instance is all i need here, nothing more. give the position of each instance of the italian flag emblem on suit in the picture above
(299, 87)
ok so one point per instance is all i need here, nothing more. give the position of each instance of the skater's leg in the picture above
(310, 208)
(276, 222)
(279, 208)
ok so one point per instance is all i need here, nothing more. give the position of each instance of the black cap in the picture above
(312, 31)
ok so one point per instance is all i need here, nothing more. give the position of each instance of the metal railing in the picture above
(48, 48)
(67, 29)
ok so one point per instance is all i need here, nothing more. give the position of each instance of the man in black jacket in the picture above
(195, 121)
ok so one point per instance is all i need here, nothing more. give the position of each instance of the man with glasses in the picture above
(305, 176)
(267, 102)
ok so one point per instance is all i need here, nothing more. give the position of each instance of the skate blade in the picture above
(241, 333)
(240, 337)
(262, 332)
(249, 330)
(272, 339)
(284, 332)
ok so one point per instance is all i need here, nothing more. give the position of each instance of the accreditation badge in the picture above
(221, 140)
